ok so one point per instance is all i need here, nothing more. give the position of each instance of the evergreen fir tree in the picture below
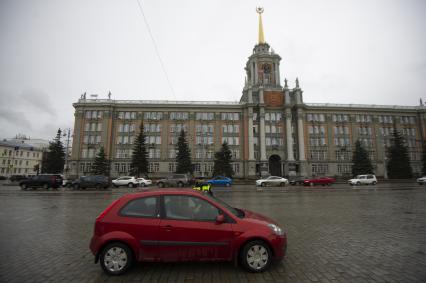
(222, 162)
(361, 163)
(424, 158)
(139, 165)
(183, 155)
(101, 164)
(398, 165)
(55, 156)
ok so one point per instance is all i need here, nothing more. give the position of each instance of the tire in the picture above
(263, 184)
(23, 187)
(358, 183)
(98, 186)
(311, 184)
(161, 185)
(116, 258)
(115, 186)
(45, 186)
(282, 184)
(374, 183)
(256, 256)
(68, 185)
(227, 184)
(130, 185)
(76, 187)
(180, 184)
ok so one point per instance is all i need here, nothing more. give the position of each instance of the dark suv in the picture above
(44, 181)
(175, 180)
(96, 181)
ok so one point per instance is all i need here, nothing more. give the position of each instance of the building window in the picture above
(177, 128)
(319, 168)
(229, 116)
(201, 129)
(231, 140)
(344, 168)
(154, 153)
(204, 116)
(154, 167)
(153, 115)
(178, 116)
(172, 167)
(127, 115)
(236, 167)
(93, 114)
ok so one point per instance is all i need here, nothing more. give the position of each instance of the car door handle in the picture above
(167, 228)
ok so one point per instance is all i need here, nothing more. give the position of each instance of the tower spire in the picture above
(259, 10)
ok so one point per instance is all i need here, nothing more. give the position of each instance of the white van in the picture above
(368, 179)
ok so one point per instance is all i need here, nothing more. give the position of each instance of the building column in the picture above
(277, 74)
(301, 138)
(290, 155)
(255, 73)
(250, 134)
(252, 73)
(262, 134)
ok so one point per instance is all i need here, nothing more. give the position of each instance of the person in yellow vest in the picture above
(203, 187)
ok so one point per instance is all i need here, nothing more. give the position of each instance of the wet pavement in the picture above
(335, 234)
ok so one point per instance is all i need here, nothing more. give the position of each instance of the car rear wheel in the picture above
(24, 187)
(76, 187)
(373, 183)
(256, 256)
(130, 185)
(143, 185)
(116, 258)
(161, 185)
(180, 184)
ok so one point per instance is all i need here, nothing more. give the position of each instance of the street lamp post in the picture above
(66, 151)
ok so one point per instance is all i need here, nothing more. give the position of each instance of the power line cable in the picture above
(156, 50)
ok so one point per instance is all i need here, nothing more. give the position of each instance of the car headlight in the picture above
(277, 230)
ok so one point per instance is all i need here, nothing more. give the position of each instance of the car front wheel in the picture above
(256, 256)
(23, 187)
(116, 258)
(282, 184)
(263, 184)
(45, 186)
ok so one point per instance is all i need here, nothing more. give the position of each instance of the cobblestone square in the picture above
(336, 234)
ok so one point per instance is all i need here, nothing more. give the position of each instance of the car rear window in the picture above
(141, 207)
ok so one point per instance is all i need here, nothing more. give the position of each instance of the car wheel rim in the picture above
(257, 257)
(115, 259)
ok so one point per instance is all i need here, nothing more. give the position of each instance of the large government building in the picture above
(270, 130)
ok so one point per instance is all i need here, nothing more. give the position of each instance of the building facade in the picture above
(271, 130)
(19, 157)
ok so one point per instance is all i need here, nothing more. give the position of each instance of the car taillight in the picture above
(103, 213)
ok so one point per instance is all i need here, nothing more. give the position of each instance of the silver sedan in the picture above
(272, 181)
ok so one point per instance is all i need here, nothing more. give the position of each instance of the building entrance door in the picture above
(275, 168)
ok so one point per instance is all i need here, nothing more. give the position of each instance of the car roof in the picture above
(158, 192)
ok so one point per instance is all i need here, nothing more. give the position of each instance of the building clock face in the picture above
(266, 68)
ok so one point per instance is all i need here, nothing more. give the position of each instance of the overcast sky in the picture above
(368, 52)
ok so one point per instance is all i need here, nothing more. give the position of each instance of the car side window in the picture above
(189, 208)
(142, 207)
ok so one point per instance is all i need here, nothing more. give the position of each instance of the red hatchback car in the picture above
(183, 225)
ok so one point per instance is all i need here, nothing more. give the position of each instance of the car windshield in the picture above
(237, 212)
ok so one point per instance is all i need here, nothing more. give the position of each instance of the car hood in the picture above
(257, 217)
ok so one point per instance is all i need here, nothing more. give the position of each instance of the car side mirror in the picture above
(220, 219)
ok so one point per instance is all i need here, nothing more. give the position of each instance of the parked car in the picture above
(272, 181)
(183, 225)
(67, 183)
(175, 180)
(44, 181)
(319, 181)
(127, 181)
(368, 179)
(142, 182)
(421, 180)
(95, 181)
(220, 181)
(16, 178)
(297, 180)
